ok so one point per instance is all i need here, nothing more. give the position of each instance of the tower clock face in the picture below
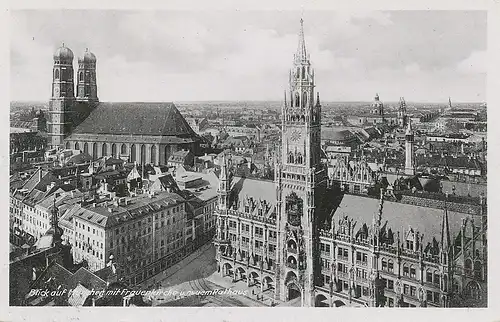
(295, 135)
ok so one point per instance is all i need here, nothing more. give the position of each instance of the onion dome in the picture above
(88, 57)
(63, 53)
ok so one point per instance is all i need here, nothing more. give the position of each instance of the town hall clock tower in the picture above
(301, 181)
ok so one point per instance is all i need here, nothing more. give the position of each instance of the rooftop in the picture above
(155, 119)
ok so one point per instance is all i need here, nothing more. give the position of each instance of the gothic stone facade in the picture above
(272, 235)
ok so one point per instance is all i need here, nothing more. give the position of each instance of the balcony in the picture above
(361, 263)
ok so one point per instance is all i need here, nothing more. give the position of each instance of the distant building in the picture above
(183, 158)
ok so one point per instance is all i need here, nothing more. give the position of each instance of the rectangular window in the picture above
(413, 291)
(429, 296)
(406, 289)
(436, 279)
(428, 277)
(412, 272)
(390, 284)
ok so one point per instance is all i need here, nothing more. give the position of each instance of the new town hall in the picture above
(298, 239)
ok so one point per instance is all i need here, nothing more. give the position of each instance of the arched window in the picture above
(80, 76)
(413, 271)
(297, 100)
(113, 150)
(478, 270)
(406, 270)
(94, 150)
(143, 154)
(303, 72)
(298, 158)
(437, 278)
(473, 291)
(428, 276)
(56, 74)
(123, 149)
(468, 266)
(153, 154)
(390, 266)
(104, 149)
(77, 146)
(132, 153)
(384, 264)
(304, 99)
(290, 157)
(67, 145)
(85, 147)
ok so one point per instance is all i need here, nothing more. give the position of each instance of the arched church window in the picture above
(104, 149)
(290, 157)
(153, 154)
(81, 77)
(478, 270)
(56, 74)
(304, 99)
(303, 73)
(297, 100)
(299, 158)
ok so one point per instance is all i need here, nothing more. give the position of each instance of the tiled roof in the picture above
(79, 295)
(257, 189)
(400, 216)
(86, 279)
(156, 119)
(335, 134)
(139, 206)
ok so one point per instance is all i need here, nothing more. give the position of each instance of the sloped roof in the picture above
(400, 216)
(335, 134)
(156, 119)
(79, 295)
(87, 279)
(257, 189)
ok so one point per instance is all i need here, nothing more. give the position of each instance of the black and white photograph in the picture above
(248, 158)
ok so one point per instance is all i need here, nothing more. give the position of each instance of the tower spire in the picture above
(301, 50)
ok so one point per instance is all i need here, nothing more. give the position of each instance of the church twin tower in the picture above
(65, 111)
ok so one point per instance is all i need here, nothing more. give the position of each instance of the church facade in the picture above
(285, 240)
(139, 132)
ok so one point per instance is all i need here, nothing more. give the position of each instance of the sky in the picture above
(425, 56)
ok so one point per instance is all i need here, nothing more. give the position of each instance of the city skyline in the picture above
(424, 56)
